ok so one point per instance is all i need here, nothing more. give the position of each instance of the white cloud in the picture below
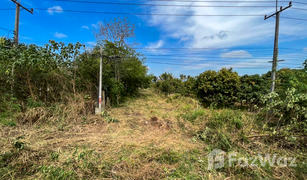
(26, 38)
(168, 69)
(184, 39)
(91, 43)
(252, 63)
(198, 66)
(55, 9)
(305, 49)
(60, 35)
(241, 54)
(158, 44)
(85, 27)
(224, 31)
(96, 25)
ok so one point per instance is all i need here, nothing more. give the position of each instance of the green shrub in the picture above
(220, 87)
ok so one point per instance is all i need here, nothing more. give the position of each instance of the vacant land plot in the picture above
(148, 137)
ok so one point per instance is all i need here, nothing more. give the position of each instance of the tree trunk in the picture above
(30, 87)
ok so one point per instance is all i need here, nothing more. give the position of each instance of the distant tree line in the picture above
(225, 87)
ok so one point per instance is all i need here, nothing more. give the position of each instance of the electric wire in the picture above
(154, 14)
(8, 9)
(6, 29)
(147, 14)
(218, 1)
(172, 5)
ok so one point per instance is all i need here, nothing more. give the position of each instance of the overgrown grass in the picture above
(154, 137)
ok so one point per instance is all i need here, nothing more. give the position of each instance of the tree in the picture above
(120, 33)
(116, 30)
(132, 69)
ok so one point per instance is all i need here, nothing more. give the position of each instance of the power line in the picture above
(219, 1)
(228, 1)
(210, 48)
(206, 61)
(218, 56)
(222, 48)
(250, 49)
(146, 14)
(215, 61)
(214, 64)
(294, 18)
(6, 29)
(247, 67)
(6, 9)
(300, 9)
(172, 5)
(196, 51)
(299, 2)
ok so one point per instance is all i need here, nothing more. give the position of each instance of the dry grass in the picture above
(148, 142)
(147, 124)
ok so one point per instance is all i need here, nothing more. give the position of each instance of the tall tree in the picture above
(116, 30)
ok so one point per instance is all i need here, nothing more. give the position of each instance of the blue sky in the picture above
(185, 44)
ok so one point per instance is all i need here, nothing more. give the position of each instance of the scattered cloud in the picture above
(241, 54)
(85, 27)
(252, 63)
(55, 9)
(91, 43)
(153, 48)
(96, 25)
(184, 39)
(26, 38)
(60, 35)
(222, 31)
(198, 66)
(168, 69)
(221, 35)
(158, 44)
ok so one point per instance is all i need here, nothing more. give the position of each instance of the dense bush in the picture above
(252, 88)
(168, 84)
(55, 71)
(226, 87)
(220, 87)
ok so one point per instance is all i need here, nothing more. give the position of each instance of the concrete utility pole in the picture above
(16, 33)
(101, 94)
(275, 55)
(276, 5)
(100, 80)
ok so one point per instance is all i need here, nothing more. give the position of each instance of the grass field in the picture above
(148, 137)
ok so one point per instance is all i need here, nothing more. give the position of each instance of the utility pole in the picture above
(276, 5)
(16, 33)
(101, 94)
(100, 80)
(275, 55)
